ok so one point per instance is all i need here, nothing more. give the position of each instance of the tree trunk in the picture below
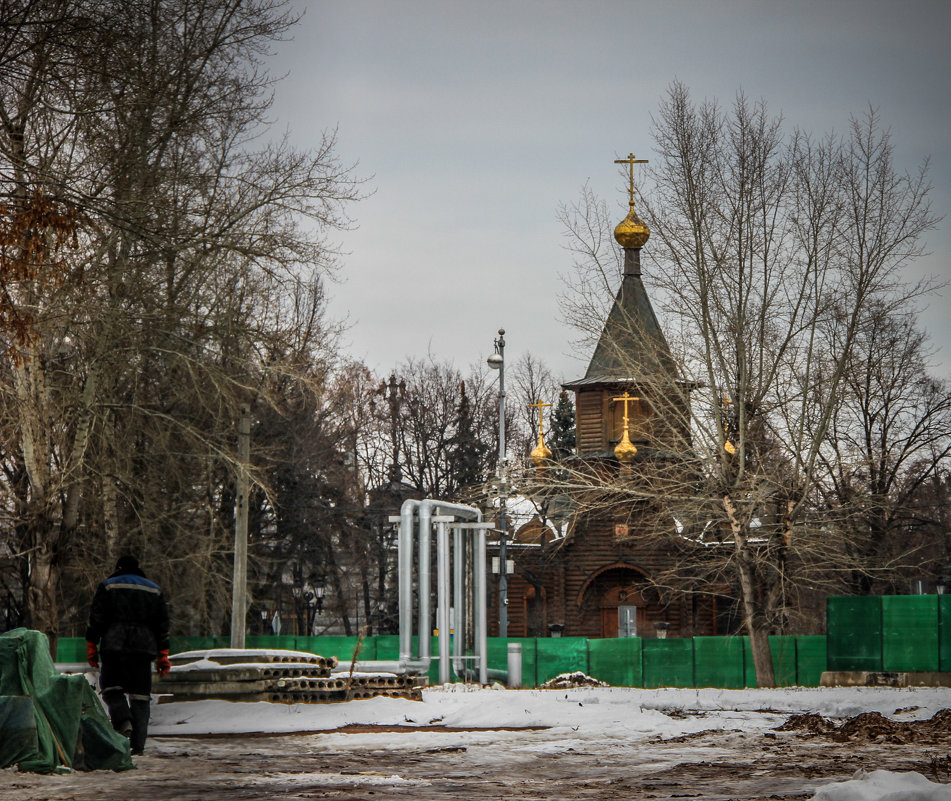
(43, 585)
(762, 656)
(110, 516)
(367, 606)
(754, 624)
(338, 589)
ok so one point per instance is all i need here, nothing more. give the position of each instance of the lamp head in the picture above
(495, 361)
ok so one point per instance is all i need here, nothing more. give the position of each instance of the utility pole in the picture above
(239, 585)
(497, 362)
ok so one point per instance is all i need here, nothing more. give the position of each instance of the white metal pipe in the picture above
(405, 568)
(442, 604)
(471, 578)
(424, 511)
(514, 665)
(424, 579)
(458, 599)
(481, 598)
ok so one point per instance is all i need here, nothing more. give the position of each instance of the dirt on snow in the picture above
(424, 764)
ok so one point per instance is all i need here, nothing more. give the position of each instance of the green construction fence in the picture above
(854, 632)
(874, 633)
(944, 633)
(625, 662)
(890, 633)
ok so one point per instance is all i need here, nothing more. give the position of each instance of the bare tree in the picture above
(195, 274)
(532, 381)
(759, 240)
(589, 286)
(888, 440)
(428, 426)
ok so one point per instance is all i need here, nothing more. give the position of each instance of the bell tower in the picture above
(632, 359)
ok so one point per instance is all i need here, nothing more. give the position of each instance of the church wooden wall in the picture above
(563, 574)
(547, 584)
(599, 420)
(589, 433)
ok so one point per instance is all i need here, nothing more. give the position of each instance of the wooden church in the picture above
(592, 570)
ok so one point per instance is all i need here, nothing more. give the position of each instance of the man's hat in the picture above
(127, 562)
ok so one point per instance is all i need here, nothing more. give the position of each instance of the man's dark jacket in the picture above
(129, 615)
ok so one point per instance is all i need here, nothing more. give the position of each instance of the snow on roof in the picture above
(521, 510)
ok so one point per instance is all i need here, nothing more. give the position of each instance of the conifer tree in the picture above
(467, 452)
(561, 438)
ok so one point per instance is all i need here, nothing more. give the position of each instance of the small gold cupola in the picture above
(541, 451)
(625, 450)
(632, 232)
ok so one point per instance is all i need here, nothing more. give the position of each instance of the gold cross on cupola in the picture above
(541, 451)
(631, 161)
(631, 232)
(625, 449)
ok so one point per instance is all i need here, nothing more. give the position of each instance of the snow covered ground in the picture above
(584, 718)
(587, 712)
(474, 743)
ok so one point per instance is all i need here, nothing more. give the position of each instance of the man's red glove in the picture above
(92, 654)
(162, 665)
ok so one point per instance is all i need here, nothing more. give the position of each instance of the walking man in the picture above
(128, 628)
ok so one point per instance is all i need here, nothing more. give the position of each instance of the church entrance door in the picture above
(623, 609)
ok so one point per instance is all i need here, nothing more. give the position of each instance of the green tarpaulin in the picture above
(50, 721)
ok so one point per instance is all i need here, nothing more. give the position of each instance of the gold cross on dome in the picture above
(626, 398)
(631, 161)
(540, 406)
(625, 450)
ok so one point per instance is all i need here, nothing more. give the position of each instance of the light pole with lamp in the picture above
(497, 362)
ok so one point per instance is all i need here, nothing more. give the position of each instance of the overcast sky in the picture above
(474, 120)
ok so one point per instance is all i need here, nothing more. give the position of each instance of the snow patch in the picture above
(373, 779)
(884, 785)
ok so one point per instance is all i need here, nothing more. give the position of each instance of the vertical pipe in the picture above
(515, 665)
(405, 567)
(442, 606)
(424, 511)
(424, 628)
(481, 598)
(458, 599)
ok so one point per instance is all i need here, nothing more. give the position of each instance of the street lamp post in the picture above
(497, 362)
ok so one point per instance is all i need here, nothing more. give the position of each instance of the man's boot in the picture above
(140, 723)
(119, 712)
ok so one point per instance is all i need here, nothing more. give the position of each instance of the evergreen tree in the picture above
(561, 437)
(468, 454)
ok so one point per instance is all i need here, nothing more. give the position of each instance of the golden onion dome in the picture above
(632, 231)
(540, 452)
(625, 450)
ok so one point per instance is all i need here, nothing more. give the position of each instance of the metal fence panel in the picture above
(944, 633)
(811, 659)
(718, 662)
(616, 661)
(498, 654)
(388, 647)
(668, 663)
(910, 633)
(783, 649)
(854, 627)
(557, 655)
(338, 646)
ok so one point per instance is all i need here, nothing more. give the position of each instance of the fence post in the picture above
(515, 665)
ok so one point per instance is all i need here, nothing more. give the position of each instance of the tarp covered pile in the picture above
(49, 721)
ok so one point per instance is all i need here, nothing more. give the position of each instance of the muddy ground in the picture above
(787, 761)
